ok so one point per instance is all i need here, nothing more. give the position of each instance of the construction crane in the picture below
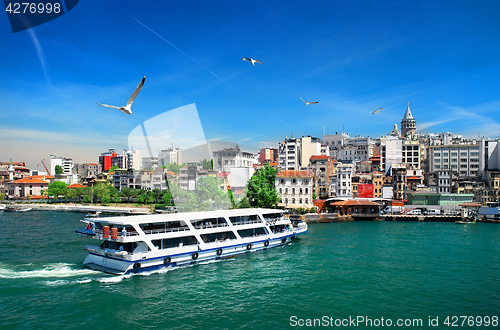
(44, 165)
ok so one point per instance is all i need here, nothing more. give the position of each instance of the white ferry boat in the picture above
(132, 244)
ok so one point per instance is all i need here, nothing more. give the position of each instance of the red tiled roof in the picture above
(294, 174)
(76, 185)
(31, 181)
(414, 178)
(314, 157)
(41, 197)
(172, 173)
(43, 177)
(355, 202)
(223, 174)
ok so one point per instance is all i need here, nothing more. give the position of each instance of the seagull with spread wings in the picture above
(128, 108)
(307, 103)
(251, 60)
(376, 111)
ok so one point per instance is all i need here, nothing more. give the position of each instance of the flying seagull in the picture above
(307, 103)
(251, 60)
(376, 111)
(127, 108)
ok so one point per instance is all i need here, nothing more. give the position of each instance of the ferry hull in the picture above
(120, 266)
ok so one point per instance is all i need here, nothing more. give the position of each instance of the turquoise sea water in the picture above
(392, 270)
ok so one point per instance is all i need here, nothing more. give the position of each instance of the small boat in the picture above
(16, 208)
(466, 221)
(146, 242)
(93, 213)
(2, 207)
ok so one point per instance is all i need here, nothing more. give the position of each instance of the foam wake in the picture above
(46, 271)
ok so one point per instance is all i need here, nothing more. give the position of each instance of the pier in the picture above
(335, 217)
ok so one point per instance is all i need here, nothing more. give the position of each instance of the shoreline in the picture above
(88, 208)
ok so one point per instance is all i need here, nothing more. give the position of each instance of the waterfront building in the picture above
(149, 163)
(171, 155)
(232, 157)
(399, 182)
(294, 153)
(344, 180)
(289, 154)
(335, 141)
(390, 152)
(268, 155)
(444, 181)
(462, 159)
(123, 178)
(134, 159)
(65, 163)
(408, 124)
(151, 180)
(295, 188)
(412, 153)
(378, 181)
(321, 166)
(105, 159)
(29, 186)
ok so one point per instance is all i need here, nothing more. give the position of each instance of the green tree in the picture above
(59, 169)
(56, 189)
(314, 196)
(244, 204)
(113, 168)
(207, 164)
(141, 196)
(2, 196)
(208, 189)
(261, 188)
(71, 193)
(173, 167)
(231, 198)
(167, 198)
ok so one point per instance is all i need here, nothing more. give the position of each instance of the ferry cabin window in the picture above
(168, 243)
(272, 216)
(244, 219)
(214, 222)
(252, 232)
(162, 227)
(129, 247)
(278, 228)
(218, 237)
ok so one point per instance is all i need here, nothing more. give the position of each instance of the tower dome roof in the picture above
(408, 114)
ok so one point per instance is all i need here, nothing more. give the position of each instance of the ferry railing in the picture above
(211, 226)
(164, 230)
(248, 222)
(120, 234)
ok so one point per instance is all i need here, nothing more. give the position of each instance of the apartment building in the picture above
(462, 159)
(295, 188)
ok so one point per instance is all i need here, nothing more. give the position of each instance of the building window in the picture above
(307, 190)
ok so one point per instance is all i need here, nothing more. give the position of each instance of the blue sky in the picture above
(351, 56)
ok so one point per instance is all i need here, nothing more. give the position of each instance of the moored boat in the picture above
(2, 207)
(17, 208)
(146, 242)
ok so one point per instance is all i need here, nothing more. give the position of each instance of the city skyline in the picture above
(352, 58)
